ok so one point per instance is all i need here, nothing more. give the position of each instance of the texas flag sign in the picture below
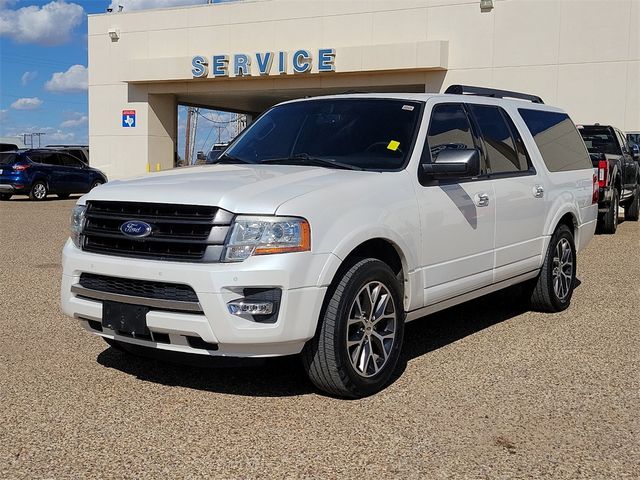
(128, 118)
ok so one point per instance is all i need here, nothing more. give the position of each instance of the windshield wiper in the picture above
(306, 159)
(226, 158)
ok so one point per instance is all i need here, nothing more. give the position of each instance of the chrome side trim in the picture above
(149, 302)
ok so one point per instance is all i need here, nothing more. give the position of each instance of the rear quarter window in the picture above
(558, 140)
(7, 158)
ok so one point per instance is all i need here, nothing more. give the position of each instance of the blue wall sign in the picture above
(262, 63)
(128, 118)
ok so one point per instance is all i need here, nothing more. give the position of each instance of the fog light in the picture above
(244, 306)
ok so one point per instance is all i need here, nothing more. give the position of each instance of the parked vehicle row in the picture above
(618, 174)
(330, 222)
(40, 172)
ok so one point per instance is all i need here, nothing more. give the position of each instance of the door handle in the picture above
(538, 191)
(482, 199)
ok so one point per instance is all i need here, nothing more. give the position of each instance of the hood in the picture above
(249, 189)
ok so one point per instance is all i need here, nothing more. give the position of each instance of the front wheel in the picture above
(358, 342)
(38, 191)
(554, 287)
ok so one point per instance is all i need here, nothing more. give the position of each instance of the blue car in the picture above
(37, 173)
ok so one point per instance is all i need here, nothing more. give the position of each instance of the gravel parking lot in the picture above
(485, 390)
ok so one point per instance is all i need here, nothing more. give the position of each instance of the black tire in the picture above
(38, 191)
(609, 221)
(632, 209)
(545, 297)
(63, 196)
(327, 357)
(5, 196)
(117, 345)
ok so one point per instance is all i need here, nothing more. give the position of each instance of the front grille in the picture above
(138, 288)
(192, 233)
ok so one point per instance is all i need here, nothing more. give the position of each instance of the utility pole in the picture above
(187, 140)
(30, 136)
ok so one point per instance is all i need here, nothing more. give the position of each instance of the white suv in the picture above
(331, 221)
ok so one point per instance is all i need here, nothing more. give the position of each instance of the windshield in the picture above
(600, 140)
(375, 134)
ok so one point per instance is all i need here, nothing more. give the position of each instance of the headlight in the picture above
(77, 224)
(267, 235)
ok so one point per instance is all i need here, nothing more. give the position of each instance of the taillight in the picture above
(603, 172)
(595, 196)
(21, 167)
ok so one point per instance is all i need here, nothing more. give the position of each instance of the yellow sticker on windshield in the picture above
(393, 145)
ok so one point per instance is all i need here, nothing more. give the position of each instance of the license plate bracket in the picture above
(125, 318)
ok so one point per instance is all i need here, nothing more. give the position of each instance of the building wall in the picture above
(581, 55)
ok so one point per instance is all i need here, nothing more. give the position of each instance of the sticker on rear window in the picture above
(408, 107)
(393, 145)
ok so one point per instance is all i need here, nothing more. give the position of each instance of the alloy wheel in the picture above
(371, 329)
(563, 269)
(39, 191)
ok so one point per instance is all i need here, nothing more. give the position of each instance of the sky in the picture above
(43, 65)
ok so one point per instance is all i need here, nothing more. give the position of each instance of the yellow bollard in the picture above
(148, 167)
(157, 167)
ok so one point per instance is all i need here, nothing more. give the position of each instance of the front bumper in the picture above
(7, 188)
(216, 284)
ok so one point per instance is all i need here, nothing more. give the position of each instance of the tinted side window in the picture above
(45, 158)
(558, 140)
(69, 161)
(501, 148)
(79, 154)
(622, 141)
(449, 129)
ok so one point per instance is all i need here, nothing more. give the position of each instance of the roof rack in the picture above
(491, 92)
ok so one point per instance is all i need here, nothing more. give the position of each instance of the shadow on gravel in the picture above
(284, 376)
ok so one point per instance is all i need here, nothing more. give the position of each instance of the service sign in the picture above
(263, 63)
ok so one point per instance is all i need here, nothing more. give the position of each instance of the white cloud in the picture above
(74, 122)
(54, 135)
(145, 4)
(27, 103)
(75, 79)
(27, 77)
(4, 114)
(49, 24)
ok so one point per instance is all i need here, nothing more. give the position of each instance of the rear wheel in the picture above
(38, 191)
(609, 221)
(554, 287)
(632, 210)
(5, 196)
(358, 342)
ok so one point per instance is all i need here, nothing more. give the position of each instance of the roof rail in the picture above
(491, 92)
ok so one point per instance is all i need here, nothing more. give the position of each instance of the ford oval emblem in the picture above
(136, 229)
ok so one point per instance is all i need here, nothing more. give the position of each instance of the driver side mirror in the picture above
(450, 163)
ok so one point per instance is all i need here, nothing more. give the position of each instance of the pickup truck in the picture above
(329, 223)
(618, 174)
